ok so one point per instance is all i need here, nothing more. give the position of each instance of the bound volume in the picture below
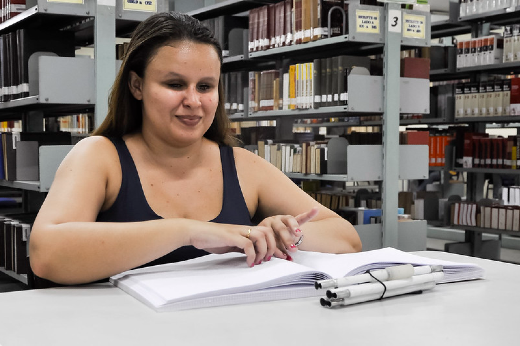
(215, 280)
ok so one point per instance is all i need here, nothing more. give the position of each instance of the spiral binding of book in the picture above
(379, 284)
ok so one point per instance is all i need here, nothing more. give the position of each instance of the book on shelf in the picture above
(184, 285)
(14, 232)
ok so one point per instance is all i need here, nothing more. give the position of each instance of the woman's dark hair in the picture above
(124, 111)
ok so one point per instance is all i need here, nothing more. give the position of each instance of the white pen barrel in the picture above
(378, 288)
(390, 273)
(395, 292)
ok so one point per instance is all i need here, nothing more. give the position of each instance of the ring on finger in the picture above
(248, 233)
(299, 241)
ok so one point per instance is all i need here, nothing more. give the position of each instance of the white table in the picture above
(482, 312)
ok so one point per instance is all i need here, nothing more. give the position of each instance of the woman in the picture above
(159, 182)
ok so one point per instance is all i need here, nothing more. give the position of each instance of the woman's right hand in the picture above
(272, 237)
(258, 243)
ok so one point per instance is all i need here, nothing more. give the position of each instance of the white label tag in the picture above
(394, 20)
(367, 21)
(414, 26)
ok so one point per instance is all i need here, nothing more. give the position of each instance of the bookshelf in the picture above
(385, 90)
(478, 25)
(61, 85)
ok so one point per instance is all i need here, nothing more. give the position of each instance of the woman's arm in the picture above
(67, 245)
(275, 196)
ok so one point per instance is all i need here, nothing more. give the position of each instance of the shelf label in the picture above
(367, 21)
(394, 21)
(140, 5)
(68, 1)
(414, 26)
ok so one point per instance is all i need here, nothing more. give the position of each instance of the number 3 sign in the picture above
(394, 20)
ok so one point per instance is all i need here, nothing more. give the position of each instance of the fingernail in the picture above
(298, 230)
(293, 246)
(289, 258)
(268, 258)
(252, 265)
(259, 262)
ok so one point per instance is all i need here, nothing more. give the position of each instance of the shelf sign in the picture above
(68, 1)
(367, 21)
(141, 5)
(414, 26)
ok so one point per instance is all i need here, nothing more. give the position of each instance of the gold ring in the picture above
(248, 233)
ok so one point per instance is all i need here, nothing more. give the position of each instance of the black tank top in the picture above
(131, 205)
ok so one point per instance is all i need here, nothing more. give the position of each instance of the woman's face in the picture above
(179, 92)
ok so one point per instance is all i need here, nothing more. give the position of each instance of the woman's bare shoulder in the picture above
(93, 151)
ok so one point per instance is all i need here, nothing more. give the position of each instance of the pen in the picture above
(378, 288)
(389, 273)
(330, 303)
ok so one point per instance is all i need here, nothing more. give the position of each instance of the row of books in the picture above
(499, 217)
(121, 49)
(321, 83)
(14, 235)
(293, 22)
(19, 153)
(10, 126)
(306, 158)
(80, 124)
(11, 8)
(472, 7)
(16, 49)
(233, 83)
(486, 50)
(436, 142)
(488, 99)
(510, 195)
(480, 151)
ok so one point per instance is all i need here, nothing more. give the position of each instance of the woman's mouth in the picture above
(189, 120)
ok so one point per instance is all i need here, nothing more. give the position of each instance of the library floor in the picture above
(8, 284)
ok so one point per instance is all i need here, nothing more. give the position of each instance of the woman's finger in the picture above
(257, 237)
(307, 216)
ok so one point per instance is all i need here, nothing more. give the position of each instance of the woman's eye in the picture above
(204, 87)
(175, 85)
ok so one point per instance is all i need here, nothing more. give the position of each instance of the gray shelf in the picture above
(500, 119)
(322, 112)
(500, 17)
(325, 177)
(487, 170)
(237, 116)
(202, 12)
(20, 277)
(497, 68)
(330, 124)
(485, 230)
(33, 103)
(77, 18)
(449, 28)
(318, 48)
(23, 185)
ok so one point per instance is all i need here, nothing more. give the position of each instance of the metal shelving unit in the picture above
(385, 38)
(54, 89)
(481, 24)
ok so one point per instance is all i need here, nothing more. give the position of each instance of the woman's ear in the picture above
(135, 84)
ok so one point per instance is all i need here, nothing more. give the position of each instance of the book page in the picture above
(215, 275)
(351, 264)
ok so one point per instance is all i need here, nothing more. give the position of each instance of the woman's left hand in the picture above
(287, 229)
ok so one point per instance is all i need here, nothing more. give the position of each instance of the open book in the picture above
(215, 280)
